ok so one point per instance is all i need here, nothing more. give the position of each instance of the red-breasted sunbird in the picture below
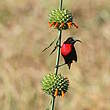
(68, 51)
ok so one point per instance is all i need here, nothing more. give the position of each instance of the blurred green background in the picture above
(24, 33)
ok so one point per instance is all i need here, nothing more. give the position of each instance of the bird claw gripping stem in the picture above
(61, 19)
(60, 65)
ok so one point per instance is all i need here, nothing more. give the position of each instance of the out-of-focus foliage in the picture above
(24, 33)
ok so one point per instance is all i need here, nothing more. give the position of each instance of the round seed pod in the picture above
(55, 85)
(60, 19)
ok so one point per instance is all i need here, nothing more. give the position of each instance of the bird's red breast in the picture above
(66, 49)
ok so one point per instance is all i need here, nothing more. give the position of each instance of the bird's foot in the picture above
(57, 66)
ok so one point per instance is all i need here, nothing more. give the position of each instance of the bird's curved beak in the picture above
(78, 41)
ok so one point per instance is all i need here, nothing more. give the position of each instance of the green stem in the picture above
(58, 51)
(57, 62)
(61, 4)
(58, 54)
(53, 102)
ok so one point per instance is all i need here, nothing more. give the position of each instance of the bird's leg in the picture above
(60, 65)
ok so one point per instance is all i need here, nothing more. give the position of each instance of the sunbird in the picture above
(68, 51)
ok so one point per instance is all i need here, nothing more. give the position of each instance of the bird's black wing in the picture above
(73, 54)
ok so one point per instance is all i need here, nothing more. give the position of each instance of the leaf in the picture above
(53, 50)
(49, 45)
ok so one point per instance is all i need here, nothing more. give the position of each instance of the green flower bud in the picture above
(59, 19)
(55, 85)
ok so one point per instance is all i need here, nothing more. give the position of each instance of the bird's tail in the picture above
(69, 65)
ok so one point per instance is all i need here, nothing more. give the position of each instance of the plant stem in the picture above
(61, 4)
(57, 62)
(58, 54)
(58, 51)
(53, 102)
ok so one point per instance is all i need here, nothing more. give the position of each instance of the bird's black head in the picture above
(71, 40)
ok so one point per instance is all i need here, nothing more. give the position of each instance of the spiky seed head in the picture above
(60, 16)
(55, 85)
